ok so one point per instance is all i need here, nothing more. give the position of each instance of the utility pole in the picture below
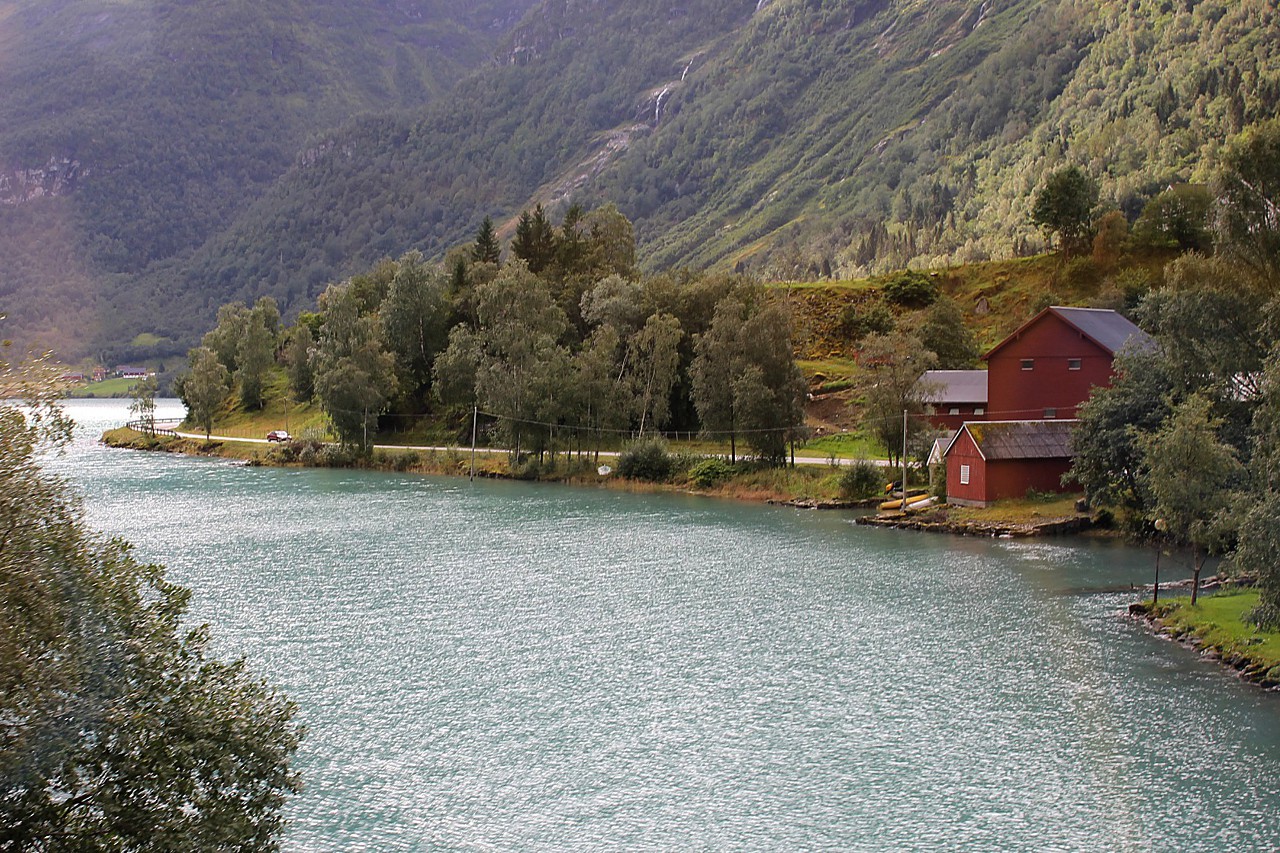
(904, 460)
(475, 414)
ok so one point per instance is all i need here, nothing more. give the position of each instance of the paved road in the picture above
(609, 454)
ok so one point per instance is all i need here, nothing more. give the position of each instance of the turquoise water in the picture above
(500, 666)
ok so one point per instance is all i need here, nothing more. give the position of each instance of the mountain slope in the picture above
(144, 127)
(386, 183)
(787, 137)
(874, 135)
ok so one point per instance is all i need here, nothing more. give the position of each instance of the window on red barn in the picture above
(964, 475)
(1073, 364)
(1050, 413)
(1028, 364)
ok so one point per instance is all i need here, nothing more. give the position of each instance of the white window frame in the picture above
(954, 410)
(964, 475)
(979, 410)
(1074, 364)
(1050, 414)
(1027, 363)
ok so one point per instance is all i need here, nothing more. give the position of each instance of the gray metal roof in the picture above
(955, 386)
(1022, 439)
(1106, 327)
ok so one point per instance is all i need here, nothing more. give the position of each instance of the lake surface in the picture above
(502, 666)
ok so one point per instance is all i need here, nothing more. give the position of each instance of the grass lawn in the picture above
(844, 445)
(1221, 622)
(1018, 510)
(117, 387)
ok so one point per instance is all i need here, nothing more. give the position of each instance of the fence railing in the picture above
(150, 428)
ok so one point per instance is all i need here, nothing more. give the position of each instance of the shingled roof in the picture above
(1106, 328)
(1020, 439)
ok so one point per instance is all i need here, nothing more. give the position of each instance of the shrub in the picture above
(336, 456)
(526, 468)
(647, 459)
(860, 480)
(710, 472)
(302, 450)
(857, 321)
(1080, 274)
(911, 289)
(406, 460)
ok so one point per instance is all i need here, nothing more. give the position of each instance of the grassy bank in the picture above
(1220, 625)
(813, 484)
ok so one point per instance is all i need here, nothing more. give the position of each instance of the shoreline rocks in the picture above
(1245, 667)
(989, 529)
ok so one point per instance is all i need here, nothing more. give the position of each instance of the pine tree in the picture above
(486, 249)
(535, 241)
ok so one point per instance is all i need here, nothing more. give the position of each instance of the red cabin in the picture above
(1036, 379)
(987, 462)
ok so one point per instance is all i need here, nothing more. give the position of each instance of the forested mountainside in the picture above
(132, 132)
(793, 138)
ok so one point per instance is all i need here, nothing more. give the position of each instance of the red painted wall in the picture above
(1017, 394)
(965, 452)
(942, 420)
(1011, 478)
(1002, 478)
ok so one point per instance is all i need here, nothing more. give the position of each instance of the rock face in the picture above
(56, 178)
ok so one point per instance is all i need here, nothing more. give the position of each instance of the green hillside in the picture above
(791, 138)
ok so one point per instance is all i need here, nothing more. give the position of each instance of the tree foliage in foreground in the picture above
(117, 730)
(1184, 442)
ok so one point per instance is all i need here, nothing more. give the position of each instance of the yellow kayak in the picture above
(912, 500)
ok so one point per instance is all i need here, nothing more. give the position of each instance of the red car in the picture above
(278, 435)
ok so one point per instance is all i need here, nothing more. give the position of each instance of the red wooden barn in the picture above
(990, 461)
(1036, 379)
(955, 396)
(1052, 362)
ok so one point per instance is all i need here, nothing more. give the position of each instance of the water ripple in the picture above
(511, 667)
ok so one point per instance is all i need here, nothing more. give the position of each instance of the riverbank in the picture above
(808, 486)
(1046, 515)
(1218, 626)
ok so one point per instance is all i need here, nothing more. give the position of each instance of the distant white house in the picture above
(124, 371)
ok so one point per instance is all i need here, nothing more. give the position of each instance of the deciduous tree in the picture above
(143, 406)
(654, 359)
(256, 351)
(354, 375)
(1192, 475)
(890, 367)
(1064, 206)
(205, 387)
(415, 317)
(1247, 215)
(117, 730)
